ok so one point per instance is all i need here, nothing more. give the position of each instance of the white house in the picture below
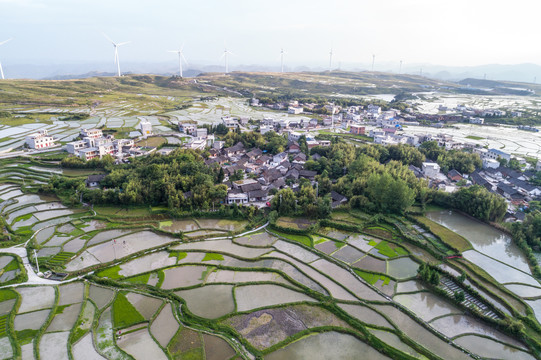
(237, 198)
(431, 169)
(294, 136)
(201, 133)
(91, 133)
(40, 140)
(490, 164)
(74, 146)
(230, 123)
(146, 128)
(187, 128)
(295, 110)
(477, 120)
(495, 154)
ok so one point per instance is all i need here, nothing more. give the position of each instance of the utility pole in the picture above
(36, 258)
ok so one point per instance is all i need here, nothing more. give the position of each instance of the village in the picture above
(254, 175)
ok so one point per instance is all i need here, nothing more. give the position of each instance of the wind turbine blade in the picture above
(183, 58)
(116, 55)
(221, 57)
(123, 43)
(5, 41)
(173, 51)
(182, 47)
(108, 38)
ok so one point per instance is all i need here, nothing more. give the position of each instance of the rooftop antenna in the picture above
(373, 60)
(117, 61)
(400, 68)
(224, 55)
(180, 58)
(1, 70)
(282, 53)
(330, 60)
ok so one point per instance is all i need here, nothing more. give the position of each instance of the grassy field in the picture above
(213, 256)
(112, 210)
(303, 239)
(124, 313)
(347, 135)
(473, 137)
(372, 278)
(447, 236)
(154, 141)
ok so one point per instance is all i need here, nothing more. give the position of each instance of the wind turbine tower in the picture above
(282, 53)
(1, 70)
(400, 68)
(330, 60)
(224, 55)
(180, 58)
(115, 45)
(373, 60)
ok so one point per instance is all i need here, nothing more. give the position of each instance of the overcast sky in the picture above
(457, 32)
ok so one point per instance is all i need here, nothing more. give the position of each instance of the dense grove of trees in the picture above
(529, 230)
(358, 174)
(527, 235)
(305, 202)
(271, 141)
(179, 180)
(78, 163)
(428, 275)
(476, 201)
(462, 161)
(406, 154)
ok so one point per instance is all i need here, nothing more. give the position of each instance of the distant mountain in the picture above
(525, 73)
(81, 76)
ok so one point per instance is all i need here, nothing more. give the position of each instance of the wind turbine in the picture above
(1, 70)
(330, 60)
(282, 53)
(400, 68)
(180, 58)
(117, 61)
(224, 55)
(373, 60)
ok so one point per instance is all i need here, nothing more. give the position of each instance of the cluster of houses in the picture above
(94, 144)
(265, 172)
(512, 185)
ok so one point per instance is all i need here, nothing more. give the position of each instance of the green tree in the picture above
(459, 296)
(284, 202)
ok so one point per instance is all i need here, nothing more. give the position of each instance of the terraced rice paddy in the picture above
(152, 295)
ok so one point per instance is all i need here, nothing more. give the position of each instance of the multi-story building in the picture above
(75, 146)
(496, 154)
(91, 133)
(146, 128)
(40, 140)
(357, 129)
(187, 128)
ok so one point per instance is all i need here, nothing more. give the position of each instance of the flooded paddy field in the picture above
(147, 293)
